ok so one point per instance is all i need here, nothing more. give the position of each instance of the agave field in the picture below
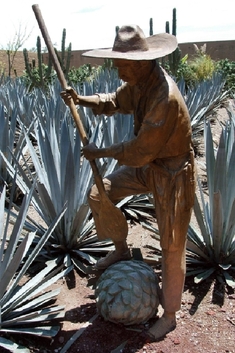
(42, 168)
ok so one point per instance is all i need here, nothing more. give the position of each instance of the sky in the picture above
(91, 24)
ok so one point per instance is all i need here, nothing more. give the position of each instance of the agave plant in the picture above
(211, 246)
(10, 142)
(25, 303)
(16, 100)
(203, 100)
(64, 176)
(137, 208)
(16, 114)
(231, 110)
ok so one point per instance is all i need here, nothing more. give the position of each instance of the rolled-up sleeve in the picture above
(107, 104)
(111, 103)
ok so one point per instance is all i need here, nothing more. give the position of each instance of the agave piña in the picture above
(127, 293)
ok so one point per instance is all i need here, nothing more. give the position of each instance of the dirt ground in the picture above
(205, 323)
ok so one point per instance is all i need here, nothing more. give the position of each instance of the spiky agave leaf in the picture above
(212, 247)
(10, 140)
(14, 96)
(25, 308)
(137, 207)
(12, 346)
(202, 100)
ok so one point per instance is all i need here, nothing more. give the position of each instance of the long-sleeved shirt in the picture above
(161, 120)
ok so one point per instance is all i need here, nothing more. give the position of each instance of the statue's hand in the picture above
(68, 95)
(90, 151)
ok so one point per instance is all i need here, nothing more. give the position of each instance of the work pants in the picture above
(173, 192)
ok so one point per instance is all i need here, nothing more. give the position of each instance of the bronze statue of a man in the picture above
(158, 160)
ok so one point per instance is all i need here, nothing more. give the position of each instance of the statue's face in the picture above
(131, 71)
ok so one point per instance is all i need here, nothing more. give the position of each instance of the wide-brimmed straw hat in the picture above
(131, 44)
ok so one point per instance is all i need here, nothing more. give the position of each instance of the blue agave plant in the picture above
(211, 246)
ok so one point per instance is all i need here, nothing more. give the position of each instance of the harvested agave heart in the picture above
(127, 293)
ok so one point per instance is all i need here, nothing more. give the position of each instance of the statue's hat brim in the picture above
(131, 44)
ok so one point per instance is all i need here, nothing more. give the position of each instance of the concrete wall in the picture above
(19, 65)
(78, 60)
(217, 50)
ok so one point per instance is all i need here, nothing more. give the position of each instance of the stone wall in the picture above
(217, 50)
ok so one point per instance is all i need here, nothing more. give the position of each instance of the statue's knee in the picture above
(93, 194)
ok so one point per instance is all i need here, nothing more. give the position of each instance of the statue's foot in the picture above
(163, 326)
(111, 259)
